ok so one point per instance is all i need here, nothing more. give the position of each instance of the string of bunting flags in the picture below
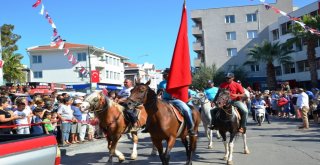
(56, 39)
(295, 19)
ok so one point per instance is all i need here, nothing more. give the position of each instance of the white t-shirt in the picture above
(66, 112)
(24, 119)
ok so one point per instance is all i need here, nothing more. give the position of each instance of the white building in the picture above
(144, 72)
(297, 73)
(49, 64)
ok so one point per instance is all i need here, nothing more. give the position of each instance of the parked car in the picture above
(29, 150)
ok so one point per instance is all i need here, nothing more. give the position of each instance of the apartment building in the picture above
(297, 73)
(224, 35)
(49, 64)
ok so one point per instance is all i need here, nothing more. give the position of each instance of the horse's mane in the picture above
(111, 103)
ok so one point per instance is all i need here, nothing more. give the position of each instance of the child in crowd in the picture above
(48, 128)
(36, 121)
(54, 122)
(23, 121)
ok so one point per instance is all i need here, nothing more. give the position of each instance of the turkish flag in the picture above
(180, 74)
(95, 76)
(37, 3)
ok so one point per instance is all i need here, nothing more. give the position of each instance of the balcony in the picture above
(197, 62)
(197, 31)
(197, 46)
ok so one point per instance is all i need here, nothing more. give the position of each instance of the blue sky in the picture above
(142, 30)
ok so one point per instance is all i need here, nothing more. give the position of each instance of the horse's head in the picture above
(138, 95)
(95, 101)
(199, 99)
(223, 98)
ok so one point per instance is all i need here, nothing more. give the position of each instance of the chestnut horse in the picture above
(113, 122)
(227, 119)
(164, 123)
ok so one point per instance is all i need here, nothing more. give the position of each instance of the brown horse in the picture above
(164, 122)
(113, 122)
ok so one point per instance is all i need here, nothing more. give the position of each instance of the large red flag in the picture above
(180, 75)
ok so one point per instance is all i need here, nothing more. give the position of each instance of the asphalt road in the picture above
(278, 143)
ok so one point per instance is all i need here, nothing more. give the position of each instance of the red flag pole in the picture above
(180, 74)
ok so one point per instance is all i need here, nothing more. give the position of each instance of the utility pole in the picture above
(89, 58)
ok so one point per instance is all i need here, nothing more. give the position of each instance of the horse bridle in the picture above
(140, 101)
(95, 108)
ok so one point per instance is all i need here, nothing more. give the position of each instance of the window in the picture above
(255, 68)
(232, 52)
(37, 74)
(107, 74)
(252, 34)
(252, 17)
(82, 56)
(318, 63)
(278, 70)
(299, 45)
(231, 35)
(289, 68)
(36, 59)
(230, 19)
(285, 28)
(107, 59)
(111, 75)
(303, 66)
(275, 34)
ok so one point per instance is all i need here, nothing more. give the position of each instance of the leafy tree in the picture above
(12, 68)
(311, 41)
(202, 75)
(268, 53)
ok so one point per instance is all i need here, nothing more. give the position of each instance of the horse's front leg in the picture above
(134, 153)
(226, 148)
(170, 144)
(210, 136)
(231, 146)
(112, 145)
(246, 149)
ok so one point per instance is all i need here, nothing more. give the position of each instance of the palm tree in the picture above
(311, 41)
(268, 53)
(12, 68)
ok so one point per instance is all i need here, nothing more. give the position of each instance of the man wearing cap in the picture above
(211, 91)
(236, 94)
(303, 105)
(187, 113)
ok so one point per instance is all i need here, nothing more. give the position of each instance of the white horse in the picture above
(202, 101)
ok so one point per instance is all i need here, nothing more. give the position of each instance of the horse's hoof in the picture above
(210, 147)
(121, 158)
(153, 152)
(246, 151)
(225, 158)
(229, 162)
(134, 156)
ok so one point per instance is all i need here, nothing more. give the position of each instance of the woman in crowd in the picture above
(65, 114)
(6, 118)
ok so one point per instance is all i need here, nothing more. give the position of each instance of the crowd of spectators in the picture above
(57, 114)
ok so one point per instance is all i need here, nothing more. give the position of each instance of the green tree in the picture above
(268, 53)
(12, 68)
(202, 75)
(311, 40)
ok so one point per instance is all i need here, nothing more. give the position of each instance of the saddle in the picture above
(177, 112)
